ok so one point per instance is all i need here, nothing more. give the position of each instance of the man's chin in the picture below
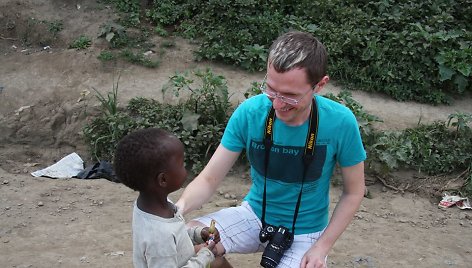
(284, 115)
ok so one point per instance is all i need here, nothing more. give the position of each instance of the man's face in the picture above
(294, 85)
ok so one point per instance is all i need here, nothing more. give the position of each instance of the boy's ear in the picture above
(161, 179)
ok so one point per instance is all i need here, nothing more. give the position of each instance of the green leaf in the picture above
(461, 82)
(465, 69)
(445, 73)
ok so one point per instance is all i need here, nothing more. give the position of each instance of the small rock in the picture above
(6, 182)
(117, 253)
(40, 204)
(226, 203)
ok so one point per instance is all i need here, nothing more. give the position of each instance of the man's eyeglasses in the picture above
(274, 94)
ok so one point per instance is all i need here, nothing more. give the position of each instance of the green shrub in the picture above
(138, 58)
(409, 50)
(106, 55)
(199, 120)
(82, 42)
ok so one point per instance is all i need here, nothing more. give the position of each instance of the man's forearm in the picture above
(197, 193)
(353, 193)
(342, 216)
(204, 185)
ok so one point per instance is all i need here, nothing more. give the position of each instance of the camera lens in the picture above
(271, 256)
(280, 241)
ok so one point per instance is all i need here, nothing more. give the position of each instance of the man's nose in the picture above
(277, 103)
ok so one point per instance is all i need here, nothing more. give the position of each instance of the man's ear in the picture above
(321, 84)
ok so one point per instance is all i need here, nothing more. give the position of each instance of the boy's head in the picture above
(150, 155)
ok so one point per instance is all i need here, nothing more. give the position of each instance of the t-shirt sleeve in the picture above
(233, 137)
(351, 150)
(195, 234)
(201, 260)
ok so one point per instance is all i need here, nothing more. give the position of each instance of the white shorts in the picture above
(239, 229)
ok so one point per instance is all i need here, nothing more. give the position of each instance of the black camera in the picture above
(280, 239)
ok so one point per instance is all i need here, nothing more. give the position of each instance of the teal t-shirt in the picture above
(338, 141)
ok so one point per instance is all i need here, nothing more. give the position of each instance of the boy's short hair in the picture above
(296, 49)
(141, 156)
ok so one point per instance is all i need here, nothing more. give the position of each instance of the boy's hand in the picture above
(211, 246)
(211, 233)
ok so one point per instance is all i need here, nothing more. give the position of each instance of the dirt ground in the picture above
(46, 96)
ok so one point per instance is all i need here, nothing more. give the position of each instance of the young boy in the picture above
(151, 161)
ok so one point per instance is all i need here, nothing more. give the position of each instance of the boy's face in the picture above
(176, 171)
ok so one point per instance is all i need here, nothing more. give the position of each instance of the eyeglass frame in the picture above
(287, 100)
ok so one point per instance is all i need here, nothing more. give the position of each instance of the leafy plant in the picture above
(106, 56)
(55, 27)
(161, 31)
(460, 121)
(115, 34)
(102, 133)
(82, 42)
(455, 67)
(131, 9)
(211, 99)
(199, 120)
(139, 58)
(109, 102)
(409, 50)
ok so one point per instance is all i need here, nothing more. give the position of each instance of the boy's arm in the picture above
(200, 260)
(195, 234)
(200, 190)
(170, 258)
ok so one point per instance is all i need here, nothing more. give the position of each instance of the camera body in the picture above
(280, 239)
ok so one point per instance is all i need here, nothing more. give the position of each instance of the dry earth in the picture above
(86, 223)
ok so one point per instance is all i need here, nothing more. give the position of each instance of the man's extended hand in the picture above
(313, 259)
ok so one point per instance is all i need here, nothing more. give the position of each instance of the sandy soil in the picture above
(86, 223)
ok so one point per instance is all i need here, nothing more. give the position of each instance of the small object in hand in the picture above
(212, 229)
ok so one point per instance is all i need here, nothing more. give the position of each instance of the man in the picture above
(289, 195)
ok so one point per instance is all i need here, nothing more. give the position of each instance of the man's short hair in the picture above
(299, 50)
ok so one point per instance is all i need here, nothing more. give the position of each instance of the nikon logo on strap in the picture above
(270, 123)
(311, 141)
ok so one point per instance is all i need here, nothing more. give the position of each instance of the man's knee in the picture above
(221, 262)
(194, 223)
